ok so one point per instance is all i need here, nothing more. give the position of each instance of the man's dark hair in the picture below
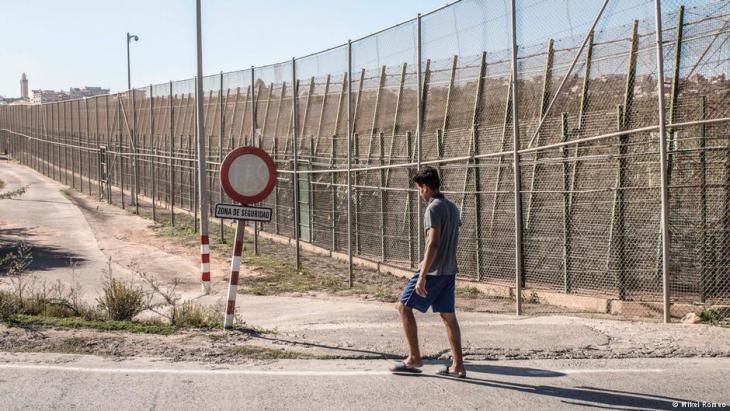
(429, 177)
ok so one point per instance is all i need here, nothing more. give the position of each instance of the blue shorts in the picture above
(440, 294)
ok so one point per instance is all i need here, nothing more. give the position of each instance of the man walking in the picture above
(434, 284)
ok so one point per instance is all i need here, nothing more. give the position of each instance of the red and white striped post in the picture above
(202, 165)
(235, 268)
(205, 262)
(248, 175)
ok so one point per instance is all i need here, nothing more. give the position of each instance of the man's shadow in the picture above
(583, 396)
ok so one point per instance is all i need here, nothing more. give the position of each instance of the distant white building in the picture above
(48, 96)
(86, 91)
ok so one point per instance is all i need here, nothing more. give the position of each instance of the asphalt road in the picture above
(53, 226)
(54, 381)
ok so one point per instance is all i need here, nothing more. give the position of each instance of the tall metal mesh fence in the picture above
(589, 167)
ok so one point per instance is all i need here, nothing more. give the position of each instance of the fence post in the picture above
(88, 145)
(703, 205)
(36, 141)
(333, 190)
(615, 255)
(78, 130)
(154, 156)
(172, 156)
(275, 149)
(295, 149)
(54, 147)
(109, 145)
(211, 107)
(253, 143)
(419, 121)
(356, 158)
(98, 140)
(46, 142)
(396, 117)
(356, 186)
(567, 280)
(333, 155)
(546, 82)
(202, 164)
(477, 170)
(71, 160)
(65, 140)
(383, 199)
(662, 160)
(409, 201)
(71, 144)
(193, 182)
(674, 93)
(576, 156)
(441, 137)
(221, 131)
(516, 168)
(122, 161)
(16, 138)
(31, 141)
(618, 219)
(28, 140)
(43, 144)
(349, 163)
(135, 163)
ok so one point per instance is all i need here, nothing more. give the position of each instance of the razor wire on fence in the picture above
(577, 87)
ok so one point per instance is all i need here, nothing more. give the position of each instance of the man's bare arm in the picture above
(434, 236)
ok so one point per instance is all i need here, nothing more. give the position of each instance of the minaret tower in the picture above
(24, 86)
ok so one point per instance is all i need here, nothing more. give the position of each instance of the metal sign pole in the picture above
(235, 268)
(516, 169)
(663, 162)
(202, 174)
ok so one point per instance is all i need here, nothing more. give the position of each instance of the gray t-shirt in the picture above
(442, 215)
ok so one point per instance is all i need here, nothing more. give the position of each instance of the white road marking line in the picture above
(191, 371)
(294, 373)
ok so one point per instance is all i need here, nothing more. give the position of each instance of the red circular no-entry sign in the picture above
(248, 175)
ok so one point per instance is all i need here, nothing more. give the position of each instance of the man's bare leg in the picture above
(454, 334)
(411, 330)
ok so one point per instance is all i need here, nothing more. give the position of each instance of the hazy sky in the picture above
(73, 43)
(62, 44)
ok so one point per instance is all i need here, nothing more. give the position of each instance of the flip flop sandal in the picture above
(446, 373)
(402, 368)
